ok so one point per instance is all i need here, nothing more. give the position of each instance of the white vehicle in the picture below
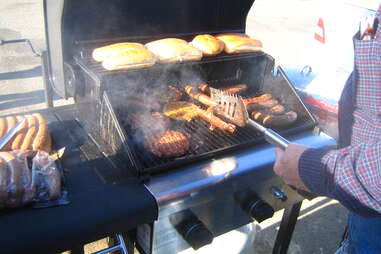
(328, 58)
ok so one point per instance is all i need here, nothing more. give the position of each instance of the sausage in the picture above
(30, 134)
(262, 105)
(204, 87)
(257, 99)
(234, 89)
(11, 122)
(272, 120)
(195, 94)
(4, 176)
(16, 144)
(3, 126)
(15, 188)
(208, 116)
(42, 132)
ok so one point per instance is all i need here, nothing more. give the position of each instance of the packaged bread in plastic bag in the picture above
(29, 177)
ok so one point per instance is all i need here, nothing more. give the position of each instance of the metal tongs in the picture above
(11, 133)
(232, 108)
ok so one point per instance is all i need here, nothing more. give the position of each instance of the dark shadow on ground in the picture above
(317, 233)
(21, 99)
(31, 73)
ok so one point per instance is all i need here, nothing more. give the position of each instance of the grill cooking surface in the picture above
(112, 91)
(204, 141)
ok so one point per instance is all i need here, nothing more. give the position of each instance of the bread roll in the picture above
(30, 134)
(3, 126)
(130, 59)
(11, 122)
(19, 137)
(100, 54)
(42, 132)
(208, 44)
(239, 43)
(174, 50)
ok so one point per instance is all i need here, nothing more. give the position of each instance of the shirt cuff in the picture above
(312, 170)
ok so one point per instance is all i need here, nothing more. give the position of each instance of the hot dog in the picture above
(266, 104)
(16, 144)
(197, 95)
(234, 89)
(208, 115)
(257, 99)
(42, 132)
(277, 121)
(15, 188)
(30, 134)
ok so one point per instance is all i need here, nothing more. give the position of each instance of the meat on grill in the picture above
(168, 144)
(168, 94)
(275, 121)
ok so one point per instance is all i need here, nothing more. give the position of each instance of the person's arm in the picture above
(351, 175)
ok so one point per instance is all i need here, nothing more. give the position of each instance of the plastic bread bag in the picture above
(174, 50)
(30, 177)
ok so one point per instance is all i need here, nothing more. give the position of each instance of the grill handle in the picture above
(271, 136)
(275, 139)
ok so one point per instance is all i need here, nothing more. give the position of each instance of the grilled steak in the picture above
(168, 94)
(168, 144)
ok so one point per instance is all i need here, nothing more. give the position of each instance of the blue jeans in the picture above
(364, 235)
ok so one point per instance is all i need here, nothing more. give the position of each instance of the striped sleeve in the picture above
(351, 175)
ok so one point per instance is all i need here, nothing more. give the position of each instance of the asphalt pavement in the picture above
(283, 27)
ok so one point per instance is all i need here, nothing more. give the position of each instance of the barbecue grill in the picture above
(224, 181)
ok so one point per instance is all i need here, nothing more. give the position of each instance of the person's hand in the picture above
(286, 165)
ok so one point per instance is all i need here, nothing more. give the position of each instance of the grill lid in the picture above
(71, 21)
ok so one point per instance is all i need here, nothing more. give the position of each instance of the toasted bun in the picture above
(239, 43)
(131, 59)
(208, 44)
(100, 54)
(174, 50)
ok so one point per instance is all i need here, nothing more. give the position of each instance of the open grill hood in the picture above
(68, 22)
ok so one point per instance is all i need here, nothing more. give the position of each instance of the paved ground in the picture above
(283, 26)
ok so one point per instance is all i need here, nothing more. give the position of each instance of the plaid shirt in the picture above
(352, 174)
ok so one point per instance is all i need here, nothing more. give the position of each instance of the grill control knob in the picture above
(193, 231)
(259, 210)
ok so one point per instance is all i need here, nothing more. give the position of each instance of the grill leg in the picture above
(287, 225)
(46, 81)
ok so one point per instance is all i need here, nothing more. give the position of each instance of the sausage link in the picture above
(280, 121)
(266, 104)
(195, 94)
(257, 99)
(204, 87)
(208, 115)
(42, 132)
(234, 89)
